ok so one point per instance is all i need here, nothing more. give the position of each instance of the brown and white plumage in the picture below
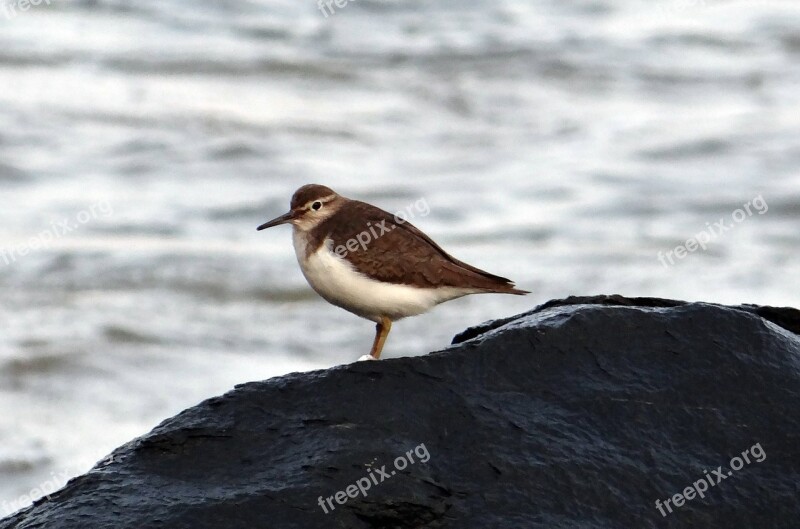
(398, 272)
(402, 253)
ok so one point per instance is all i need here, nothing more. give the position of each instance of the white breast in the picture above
(335, 279)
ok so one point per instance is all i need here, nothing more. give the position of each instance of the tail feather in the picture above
(509, 288)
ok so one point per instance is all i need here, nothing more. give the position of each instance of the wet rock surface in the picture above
(582, 413)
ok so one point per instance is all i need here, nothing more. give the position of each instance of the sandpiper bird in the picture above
(373, 264)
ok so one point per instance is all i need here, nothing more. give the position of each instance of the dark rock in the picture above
(579, 414)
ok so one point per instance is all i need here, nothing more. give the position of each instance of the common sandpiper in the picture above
(374, 264)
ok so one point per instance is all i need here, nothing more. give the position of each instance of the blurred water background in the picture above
(562, 144)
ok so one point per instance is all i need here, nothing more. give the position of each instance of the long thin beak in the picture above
(283, 219)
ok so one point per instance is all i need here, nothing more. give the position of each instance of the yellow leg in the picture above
(381, 332)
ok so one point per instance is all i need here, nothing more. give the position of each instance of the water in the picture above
(563, 144)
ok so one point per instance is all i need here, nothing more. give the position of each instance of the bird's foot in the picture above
(366, 357)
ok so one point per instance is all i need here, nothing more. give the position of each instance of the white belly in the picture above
(339, 283)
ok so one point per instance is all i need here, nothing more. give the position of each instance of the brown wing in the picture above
(387, 250)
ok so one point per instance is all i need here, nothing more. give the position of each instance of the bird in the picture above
(374, 264)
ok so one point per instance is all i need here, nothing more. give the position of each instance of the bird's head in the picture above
(311, 204)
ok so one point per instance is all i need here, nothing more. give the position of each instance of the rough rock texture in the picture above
(579, 414)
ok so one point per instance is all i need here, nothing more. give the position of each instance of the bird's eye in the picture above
(316, 205)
